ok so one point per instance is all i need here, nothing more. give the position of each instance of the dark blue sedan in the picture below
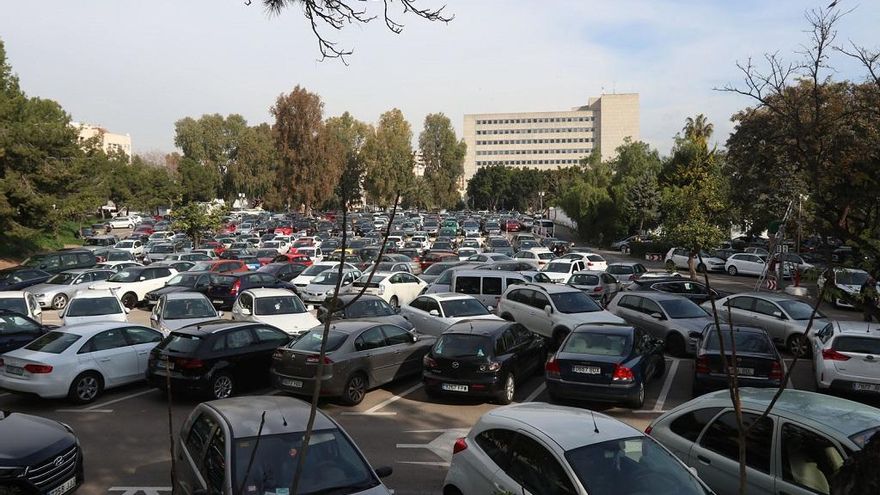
(606, 363)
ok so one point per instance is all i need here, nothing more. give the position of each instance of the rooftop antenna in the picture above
(595, 426)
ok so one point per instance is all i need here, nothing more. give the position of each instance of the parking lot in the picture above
(125, 433)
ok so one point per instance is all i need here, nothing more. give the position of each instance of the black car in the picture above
(224, 289)
(39, 455)
(217, 358)
(605, 363)
(758, 363)
(367, 307)
(695, 291)
(482, 358)
(17, 330)
(283, 270)
(20, 277)
(183, 282)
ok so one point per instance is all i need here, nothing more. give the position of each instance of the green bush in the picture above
(639, 249)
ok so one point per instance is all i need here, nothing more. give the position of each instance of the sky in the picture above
(137, 67)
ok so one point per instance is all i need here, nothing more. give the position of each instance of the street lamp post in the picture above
(541, 198)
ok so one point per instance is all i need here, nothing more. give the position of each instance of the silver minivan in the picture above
(485, 285)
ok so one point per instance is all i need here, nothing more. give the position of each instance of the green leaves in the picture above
(443, 155)
(389, 158)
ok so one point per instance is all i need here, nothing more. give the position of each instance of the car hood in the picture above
(290, 323)
(180, 323)
(595, 317)
(30, 439)
(75, 320)
(692, 324)
(170, 289)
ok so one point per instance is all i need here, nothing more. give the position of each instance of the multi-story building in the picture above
(108, 141)
(550, 140)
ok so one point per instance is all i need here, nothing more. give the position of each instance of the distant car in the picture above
(132, 284)
(116, 266)
(560, 269)
(397, 288)
(846, 290)
(79, 361)
(21, 302)
(626, 273)
(220, 266)
(183, 282)
(695, 291)
(539, 448)
(284, 270)
(432, 314)
(225, 288)
(121, 223)
(599, 285)
(606, 363)
(233, 459)
(94, 306)
(136, 248)
(323, 285)
(367, 307)
(591, 261)
(179, 309)
(280, 308)
(747, 264)
(360, 355)
(18, 278)
(678, 258)
(58, 261)
(797, 449)
(31, 446)
(17, 330)
(845, 357)
(304, 278)
(482, 358)
(758, 363)
(668, 317)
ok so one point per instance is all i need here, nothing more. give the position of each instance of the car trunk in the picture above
(586, 368)
(748, 365)
(293, 363)
(864, 357)
(460, 368)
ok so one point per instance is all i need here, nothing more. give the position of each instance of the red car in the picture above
(293, 258)
(144, 229)
(511, 226)
(216, 246)
(436, 257)
(230, 228)
(284, 230)
(221, 266)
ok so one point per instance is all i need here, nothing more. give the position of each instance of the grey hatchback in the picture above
(669, 317)
(360, 355)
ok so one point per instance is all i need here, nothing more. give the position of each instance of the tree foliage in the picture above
(349, 136)
(389, 158)
(443, 155)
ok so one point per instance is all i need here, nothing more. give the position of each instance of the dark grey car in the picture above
(360, 355)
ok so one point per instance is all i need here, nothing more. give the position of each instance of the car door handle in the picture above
(105, 360)
(143, 353)
(704, 460)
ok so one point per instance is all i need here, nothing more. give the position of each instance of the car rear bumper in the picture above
(40, 388)
(566, 389)
(867, 386)
(490, 386)
(297, 385)
(179, 383)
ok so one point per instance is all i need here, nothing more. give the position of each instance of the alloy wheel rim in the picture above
(222, 387)
(87, 388)
(642, 392)
(798, 346)
(356, 389)
(59, 302)
(509, 388)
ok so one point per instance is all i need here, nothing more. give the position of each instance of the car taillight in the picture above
(776, 371)
(429, 362)
(315, 358)
(552, 367)
(235, 287)
(701, 365)
(38, 368)
(460, 444)
(832, 355)
(598, 289)
(189, 364)
(622, 374)
(589, 263)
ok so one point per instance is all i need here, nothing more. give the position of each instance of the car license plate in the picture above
(64, 487)
(587, 370)
(744, 371)
(292, 383)
(451, 387)
(866, 387)
(217, 301)
(14, 370)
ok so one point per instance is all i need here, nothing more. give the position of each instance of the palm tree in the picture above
(698, 129)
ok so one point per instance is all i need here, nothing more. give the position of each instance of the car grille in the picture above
(57, 468)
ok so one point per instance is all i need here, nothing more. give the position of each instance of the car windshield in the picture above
(437, 269)
(118, 256)
(546, 256)
(162, 248)
(597, 344)
(328, 277)
(96, 242)
(62, 279)
(851, 277)
(278, 305)
(459, 345)
(558, 267)
(499, 243)
(315, 270)
(184, 280)
(584, 279)
(266, 253)
(93, 306)
(365, 308)
(126, 275)
(124, 245)
(745, 342)
(311, 341)
(459, 308)
(53, 342)
(574, 302)
(196, 307)
(632, 465)
(202, 266)
(798, 310)
(682, 308)
(620, 270)
(16, 304)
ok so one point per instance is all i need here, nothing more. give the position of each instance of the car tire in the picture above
(507, 317)
(701, 268)
(670, 265)
(222, 386)
(451, 490)
(798, 345)
(394, 302)
(675, 345)
(507, 392)
(355, 389)
(732, 270)
(624, 250)
(59, 302)
(86, 387)
(129, 300)
(639, 400)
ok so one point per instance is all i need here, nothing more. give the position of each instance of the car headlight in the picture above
(40, 296)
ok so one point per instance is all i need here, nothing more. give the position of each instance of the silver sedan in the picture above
(56, 292)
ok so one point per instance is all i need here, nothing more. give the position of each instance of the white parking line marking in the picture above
(425, 463)
(100, 407)
(374, 411)
(84, 410)
(538, 391)
(664, 392)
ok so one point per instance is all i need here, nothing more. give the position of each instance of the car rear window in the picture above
(584, 279)
(16, 304)
(53, 342)
(598, 344)
(456, 345)
(311, 342)
(620, 269)
(595, 257)
(558, 267)
(181, 343)
(745, 342)
(859, 345)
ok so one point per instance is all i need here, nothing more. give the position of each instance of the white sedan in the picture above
(136, 248)
(93, 306)
(280, 308)
(121, 223)
(79, 361)
(396, 288)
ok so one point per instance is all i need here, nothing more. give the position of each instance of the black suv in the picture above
(40, 456)
(217, 358)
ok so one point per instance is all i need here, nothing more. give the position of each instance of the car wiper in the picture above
(340, 490)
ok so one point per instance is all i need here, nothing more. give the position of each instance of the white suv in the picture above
(846, 357)
(551, 310)
(560, 270)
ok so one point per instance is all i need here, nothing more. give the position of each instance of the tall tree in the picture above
(308, 173)
(443, 155)
(350, 136)
(254, 170)
(197, 182)
(389, 157)
(212, 141)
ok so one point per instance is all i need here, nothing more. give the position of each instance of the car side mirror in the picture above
(548, 310)
(310, 307)
(490, 308)
(695, 335)
(657, 316)
(415, 337)
(382, 472)
(245, 311)
(153, 316)
(219, 314)
(434, 312)
(127, 310)
(142, 278)
(779, 315)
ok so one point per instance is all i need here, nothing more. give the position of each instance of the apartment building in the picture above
(108, 141)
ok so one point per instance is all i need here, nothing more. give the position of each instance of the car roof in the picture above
(184, 295)
(261, 292)
(92, 293)
(447, 296)
(9, 294)
(550, 288)
(767, 296)
(834, 413)
(213, 326)
(850, 327)
(478, 327)
(283, 415)
(655, 295)
(589, 272)
(624, 263)
(89, 329)
(559, 422)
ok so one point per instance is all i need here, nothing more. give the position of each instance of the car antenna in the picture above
(595, 426)
(278, 409)
(253, 453)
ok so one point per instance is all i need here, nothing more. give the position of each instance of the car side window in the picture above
(744, 303)
(825, 333)
(431, 305)
(809, 460)
(198, 436)
(16, 325)
(492, 285)
(246, 301)
(535, 468)
(106, 340)
(629, 302)
(370, 339)
(497, 444)
(521, 334)
(215, 463)
(395, 335)
(239, 339)
(539, 300)
(691, 424)
(141, 335)
(648, 306)
(420, 303)
(467, 285)
(267, 335)
(721, 437)
(505, 343)
(766, 307)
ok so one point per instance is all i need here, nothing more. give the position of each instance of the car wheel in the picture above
(355, 389)
(675, 345)
(59, 302)
(222, 386)
(451, 490)
(507, 393)
(731, 270)
(670, 265)
(129, 300)
(394, 302)
(701, 268)
(798, 345)
(85, 388)
(639, 400)
(625, 250)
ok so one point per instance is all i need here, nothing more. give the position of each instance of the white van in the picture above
(485, 285)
